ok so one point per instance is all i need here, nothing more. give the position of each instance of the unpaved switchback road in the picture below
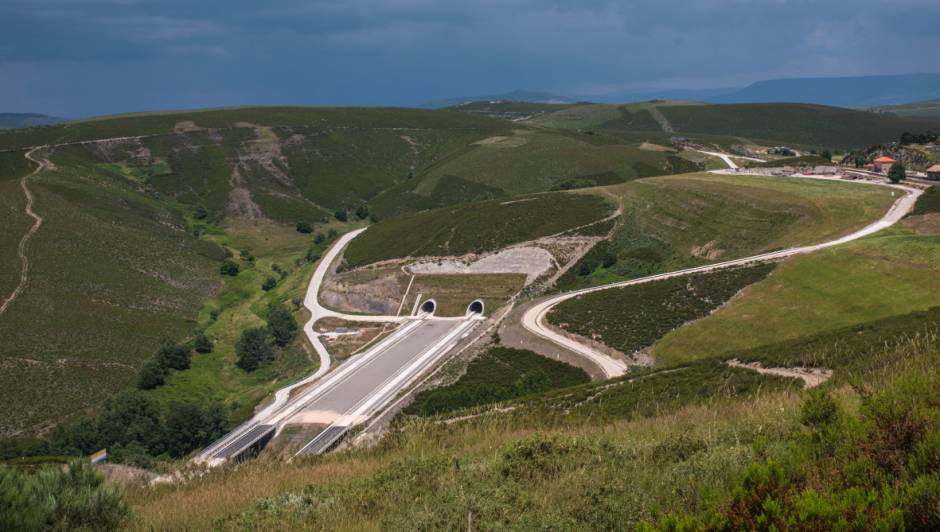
(37, 221)
(533, 319)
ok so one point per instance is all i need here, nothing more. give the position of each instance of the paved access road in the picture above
(534, 318)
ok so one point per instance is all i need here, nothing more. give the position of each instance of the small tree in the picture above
(826, 154)
(319, 238)
(269, 284)
(341, 215)
(202, 344)
(200, 213)
(304, 227)
(173, 356)
(362, 211)
(254, 349)
(897, 173)
(282, 325)
(229, 268)
(152, 375)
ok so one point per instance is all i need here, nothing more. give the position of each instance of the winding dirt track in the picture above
(534, 319)
(37, 221)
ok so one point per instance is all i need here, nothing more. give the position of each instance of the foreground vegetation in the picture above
(720, 459)
(71, 498)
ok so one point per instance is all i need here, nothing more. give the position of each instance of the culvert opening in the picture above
(428, 306)
(476, 307)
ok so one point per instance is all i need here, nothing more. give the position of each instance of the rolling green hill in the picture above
(926, 109)
(476, 227)
(806, 124)
(128, 253)
(764, 123)
(680, 221)
(875, 278)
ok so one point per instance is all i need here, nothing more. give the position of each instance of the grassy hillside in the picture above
(112, 272)
(633, 317)
(476, 227)
(698, 444)
(680, 221)
(886, 275)
(926, 109)
(803, 123)
(13, 165)
(164, 123)
(532, 160)
(499, 374)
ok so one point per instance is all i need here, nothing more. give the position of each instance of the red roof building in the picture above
(882, 164)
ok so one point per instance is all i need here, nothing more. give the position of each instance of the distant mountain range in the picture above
(857, 91)
(862, 91)
(13, 120)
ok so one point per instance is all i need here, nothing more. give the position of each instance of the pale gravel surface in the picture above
(532, 261)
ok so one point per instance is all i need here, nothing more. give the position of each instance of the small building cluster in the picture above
(881, 164)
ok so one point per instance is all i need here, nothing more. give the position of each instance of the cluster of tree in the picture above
(258, 346)
(918, 138)
(320, 241)
(169, 356)
(362, 212)
(134, 430)
(589, 264)
(304, 227)
(56, 498)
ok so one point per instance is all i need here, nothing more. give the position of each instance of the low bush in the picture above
(55, 498)
(229, 268)
(654, 308)
(500, 374)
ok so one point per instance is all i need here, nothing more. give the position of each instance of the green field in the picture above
(886, 275)
(498, 375)
(633, 317)
(475, 227)
(680, 221)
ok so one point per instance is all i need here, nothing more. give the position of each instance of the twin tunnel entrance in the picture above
(474, 308)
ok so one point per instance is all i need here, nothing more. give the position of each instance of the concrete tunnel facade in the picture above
(475, 307)
(428, 306)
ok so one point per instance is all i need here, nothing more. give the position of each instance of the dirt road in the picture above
(37, 221)
(533, 319)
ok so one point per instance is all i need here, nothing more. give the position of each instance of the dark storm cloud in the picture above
(81, 57)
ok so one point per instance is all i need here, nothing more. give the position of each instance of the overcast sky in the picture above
(85, 57)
